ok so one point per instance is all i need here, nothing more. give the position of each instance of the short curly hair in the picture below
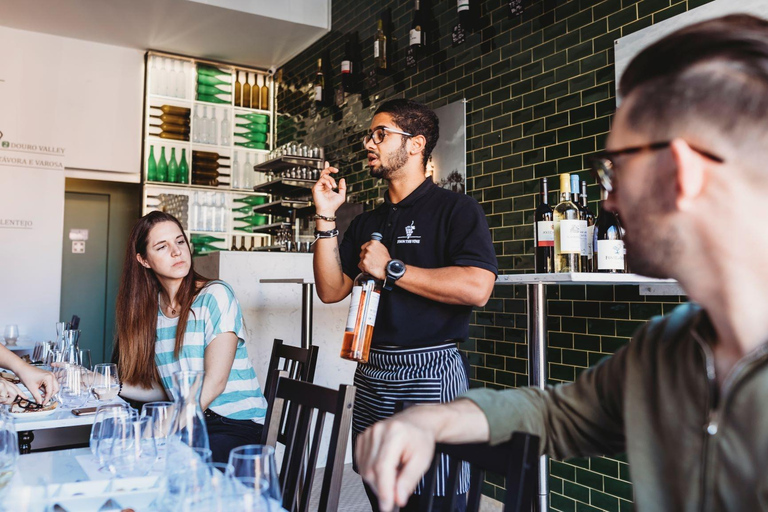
(415, 118)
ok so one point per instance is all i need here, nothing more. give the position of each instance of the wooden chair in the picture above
(516, 460)
(310, 404)
(297, 363)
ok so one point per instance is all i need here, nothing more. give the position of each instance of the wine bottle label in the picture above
(570, 236)
(583, 234)
(610, 255)
(373, 308)
(318, 93)
(590, 247)
(545, 233)
(346, 66)
(415, 37)
(463, 5)
(354, 306)
(375, 49)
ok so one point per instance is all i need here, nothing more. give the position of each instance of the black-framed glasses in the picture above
(604, 169)
(377, 134)
(27, 405)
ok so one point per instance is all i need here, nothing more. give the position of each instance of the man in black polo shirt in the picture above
(440, 239)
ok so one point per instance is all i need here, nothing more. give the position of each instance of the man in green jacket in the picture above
(686, 169)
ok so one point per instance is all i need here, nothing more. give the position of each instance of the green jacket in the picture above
(690, 446)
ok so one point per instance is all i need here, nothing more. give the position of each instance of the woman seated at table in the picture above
(41, 384)
(170, 318)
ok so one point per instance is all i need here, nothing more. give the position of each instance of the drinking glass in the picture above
(105, 415)
(9, 449)
(73, 380)
(11, 334)
(105, 381)
(85, 359)
(162, 421)
(253, 465)
(133, 451)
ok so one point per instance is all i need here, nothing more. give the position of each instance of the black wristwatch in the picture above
(395, 270)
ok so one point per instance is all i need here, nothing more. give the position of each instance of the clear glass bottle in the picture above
(366, 292)
(588, 261)
(188, 428)
(225, 130)
(567, 230)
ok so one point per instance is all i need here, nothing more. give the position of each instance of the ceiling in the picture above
(257, 33)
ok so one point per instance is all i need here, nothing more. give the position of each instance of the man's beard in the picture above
(396, 161)
(652, 242)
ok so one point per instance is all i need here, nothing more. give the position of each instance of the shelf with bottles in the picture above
(289, 208)
(289, 188)
(287, 162)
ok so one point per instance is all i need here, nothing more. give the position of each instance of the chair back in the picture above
(516, 460)
(309, 407)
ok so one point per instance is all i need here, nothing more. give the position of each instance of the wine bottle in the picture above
(206, 249)
(214, 127)
(380, 47)
(243, 209)
(247, 229)
(183, 167)
(207, 174)
(211, 90)
(544, 233)
(242, 244)
(181, 80)
(211, 99)
(214, 81)
(256, 92)
(255, 118)
(239, 90)
(253, 246)
(465, 14)
(587, 263)
(205, 239)
(234, 243)
(567, 230)
(210, 71)
(252, 145)
(172, 128)
(575, 191)
(417, 34)
(208, 155)
(264, 103)
(237, 178)
(225, 130)
(366, 291)
(171, 119)
(319, 83)
(176, 111)
(246, 103)
(252, 136)
(208, 182)
(171, 136)
(251, 200)
(246, 173)
(607, 241)
(255, 219)
(173, 168)
(208, 164)
(151, 165)
(254, 127)
(162, 166)
(347, 67)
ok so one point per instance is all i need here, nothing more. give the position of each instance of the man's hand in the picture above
(392, 456)
(374, 257)
(326, 200)
(8, 392)
(36, 379)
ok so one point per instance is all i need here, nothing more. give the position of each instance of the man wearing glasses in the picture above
(686, 399)
(436, 259)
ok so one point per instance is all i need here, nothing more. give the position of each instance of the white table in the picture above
(62, 418)
(22, 347)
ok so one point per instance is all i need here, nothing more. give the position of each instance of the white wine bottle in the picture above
(380, 47)
(567, 230)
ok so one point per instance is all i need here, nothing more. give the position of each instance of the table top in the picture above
(63, 417)
(21, 345)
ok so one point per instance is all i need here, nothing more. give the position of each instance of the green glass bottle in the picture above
(255, 118)
(205, 239)
(252, 145)
(183, 167)
(151, 165)
(248, 229)
(211, 90)
(212, 99)
(251, 200)
(253, 136)
(243, 209)
(212, 80)
(210, 71)
(206, 249)
(254, 220)
(162, 166)
(254, 127)
(173, 168)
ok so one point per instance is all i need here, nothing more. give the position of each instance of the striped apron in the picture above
(426, 375)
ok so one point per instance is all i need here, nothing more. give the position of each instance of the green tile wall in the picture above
(540, 91)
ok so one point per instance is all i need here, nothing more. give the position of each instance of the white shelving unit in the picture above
(156, 194)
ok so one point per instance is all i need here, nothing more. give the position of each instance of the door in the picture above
(84, 267)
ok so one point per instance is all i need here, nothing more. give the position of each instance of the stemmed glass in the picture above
(105, 381)
(9, 449)
(161, 414)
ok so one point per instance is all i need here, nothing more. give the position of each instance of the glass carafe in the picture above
(71, 349)
(188, 431)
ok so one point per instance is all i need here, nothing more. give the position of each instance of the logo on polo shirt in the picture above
(409, 238)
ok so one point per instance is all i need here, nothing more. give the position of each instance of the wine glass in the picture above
(85, 359)
(9, 450)
(162, 421)
(11, 334)
(253, 465)
(132, 451)
(105, 415)
(105, 382)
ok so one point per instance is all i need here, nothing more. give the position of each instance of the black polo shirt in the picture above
(431, 228)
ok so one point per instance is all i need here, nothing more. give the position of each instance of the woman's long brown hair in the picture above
(137, 306)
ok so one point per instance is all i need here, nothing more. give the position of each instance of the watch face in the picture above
(396, 268)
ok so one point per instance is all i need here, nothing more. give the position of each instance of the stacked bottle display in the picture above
(251, 130)
(167, 167)
(174, 204)
(169, 122)
(569, 238)
(211, 125)
(251, 91)
(208, 212)
(243, 176)
(213, 85)
(244, 217)
(210, 169)
(168, 77)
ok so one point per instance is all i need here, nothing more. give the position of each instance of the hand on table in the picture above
(326, 200)
(374, 257)
(36, 380)
(8, 392)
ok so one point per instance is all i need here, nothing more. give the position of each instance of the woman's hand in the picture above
(41, 384)
(8, 392)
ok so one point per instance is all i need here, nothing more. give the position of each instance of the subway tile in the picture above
(604, 501)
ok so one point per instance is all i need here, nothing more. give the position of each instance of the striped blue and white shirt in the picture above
(214, 311)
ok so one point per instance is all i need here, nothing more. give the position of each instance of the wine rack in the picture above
(202, 140)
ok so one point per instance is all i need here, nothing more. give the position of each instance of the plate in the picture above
(34, 415)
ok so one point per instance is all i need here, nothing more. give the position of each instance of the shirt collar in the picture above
(414, 196)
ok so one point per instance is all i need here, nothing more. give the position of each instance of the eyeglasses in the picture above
(604, 168)
(27, 405)
(377, 134)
